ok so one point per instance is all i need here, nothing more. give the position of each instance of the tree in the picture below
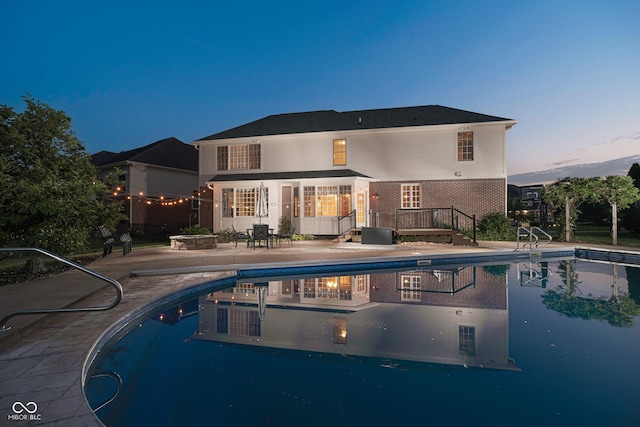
(567, 194)
(617, 310)
(631, 216)
(50, 196)
(620, 193)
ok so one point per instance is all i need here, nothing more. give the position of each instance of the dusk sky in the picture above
(130, 73)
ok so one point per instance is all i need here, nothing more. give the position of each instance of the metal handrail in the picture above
(350, 222)
(547, 235)
(77, 266)
(534, 239)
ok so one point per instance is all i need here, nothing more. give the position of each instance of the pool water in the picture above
(519, 344)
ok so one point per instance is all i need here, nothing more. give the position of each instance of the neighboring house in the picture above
(158, 185)
(527, 204)
(322, 165)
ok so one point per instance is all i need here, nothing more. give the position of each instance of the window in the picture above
(338, 288)
(309, 288)
(345, 200)
(238, 157)
(410, 288)
(309, 201)
(360, 211)
(467, 340)
(339, 330)
(339, 152)
(296, 202)
(333, 200)
(240, 202)
(254, 156)
(327, 200)
(222, 321)
(410, 196)
(223, 158)
(245, 202)
(227, 202)
(465, 146)
(244, 322)
(121, 184)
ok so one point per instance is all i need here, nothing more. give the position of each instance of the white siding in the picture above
(420, 153)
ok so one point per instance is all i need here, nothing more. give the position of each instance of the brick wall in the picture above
(287, 203)
(473, 197)
(206, 208)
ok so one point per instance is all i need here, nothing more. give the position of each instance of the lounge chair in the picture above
(110, 239)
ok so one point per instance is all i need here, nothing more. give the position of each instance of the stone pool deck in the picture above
(41, 357)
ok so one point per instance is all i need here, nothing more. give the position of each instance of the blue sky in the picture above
(130, 73)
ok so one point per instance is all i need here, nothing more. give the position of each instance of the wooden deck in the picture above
(436, 235)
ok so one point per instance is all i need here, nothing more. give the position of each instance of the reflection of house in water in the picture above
(457, 316)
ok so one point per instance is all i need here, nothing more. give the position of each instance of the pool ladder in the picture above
(533, 234)
(112, 282)
(118, 380)
(533, 273)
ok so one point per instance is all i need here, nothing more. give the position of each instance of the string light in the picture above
(164, 201)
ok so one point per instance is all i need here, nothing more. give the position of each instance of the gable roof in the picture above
(330, 120)
(169, 152)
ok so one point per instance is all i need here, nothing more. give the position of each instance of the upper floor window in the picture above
(223, 158)
(339, 152)
(410, 196)
(465, 146)
(239, 157)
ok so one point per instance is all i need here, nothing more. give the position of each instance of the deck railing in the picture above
(437, 218)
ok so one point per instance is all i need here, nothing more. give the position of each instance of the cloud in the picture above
(564, 162)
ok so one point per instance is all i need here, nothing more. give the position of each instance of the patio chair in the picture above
(287, 235)
(240, 236)
(261, 233)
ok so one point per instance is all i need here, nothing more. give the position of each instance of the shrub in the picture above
(196, 230)
(226, 236)
(495, 226)
(284, 225)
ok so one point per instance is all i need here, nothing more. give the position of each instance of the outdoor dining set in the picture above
(262, 233)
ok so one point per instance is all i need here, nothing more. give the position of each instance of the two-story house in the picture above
(157, 185)
(322, 165)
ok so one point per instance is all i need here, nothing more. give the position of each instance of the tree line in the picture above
(620, 192)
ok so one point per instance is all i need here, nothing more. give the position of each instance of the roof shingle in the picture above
(330, 120)
(168, 152)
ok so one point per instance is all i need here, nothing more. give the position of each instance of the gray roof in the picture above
(330, 120)
(265, 176)
(168, 152)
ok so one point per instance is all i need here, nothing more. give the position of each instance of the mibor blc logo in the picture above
(24, 412)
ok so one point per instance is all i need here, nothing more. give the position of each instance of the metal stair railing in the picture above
(77, 266)
(346, 223)
(532, 234)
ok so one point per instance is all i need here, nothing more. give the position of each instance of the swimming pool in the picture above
(537, 341)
